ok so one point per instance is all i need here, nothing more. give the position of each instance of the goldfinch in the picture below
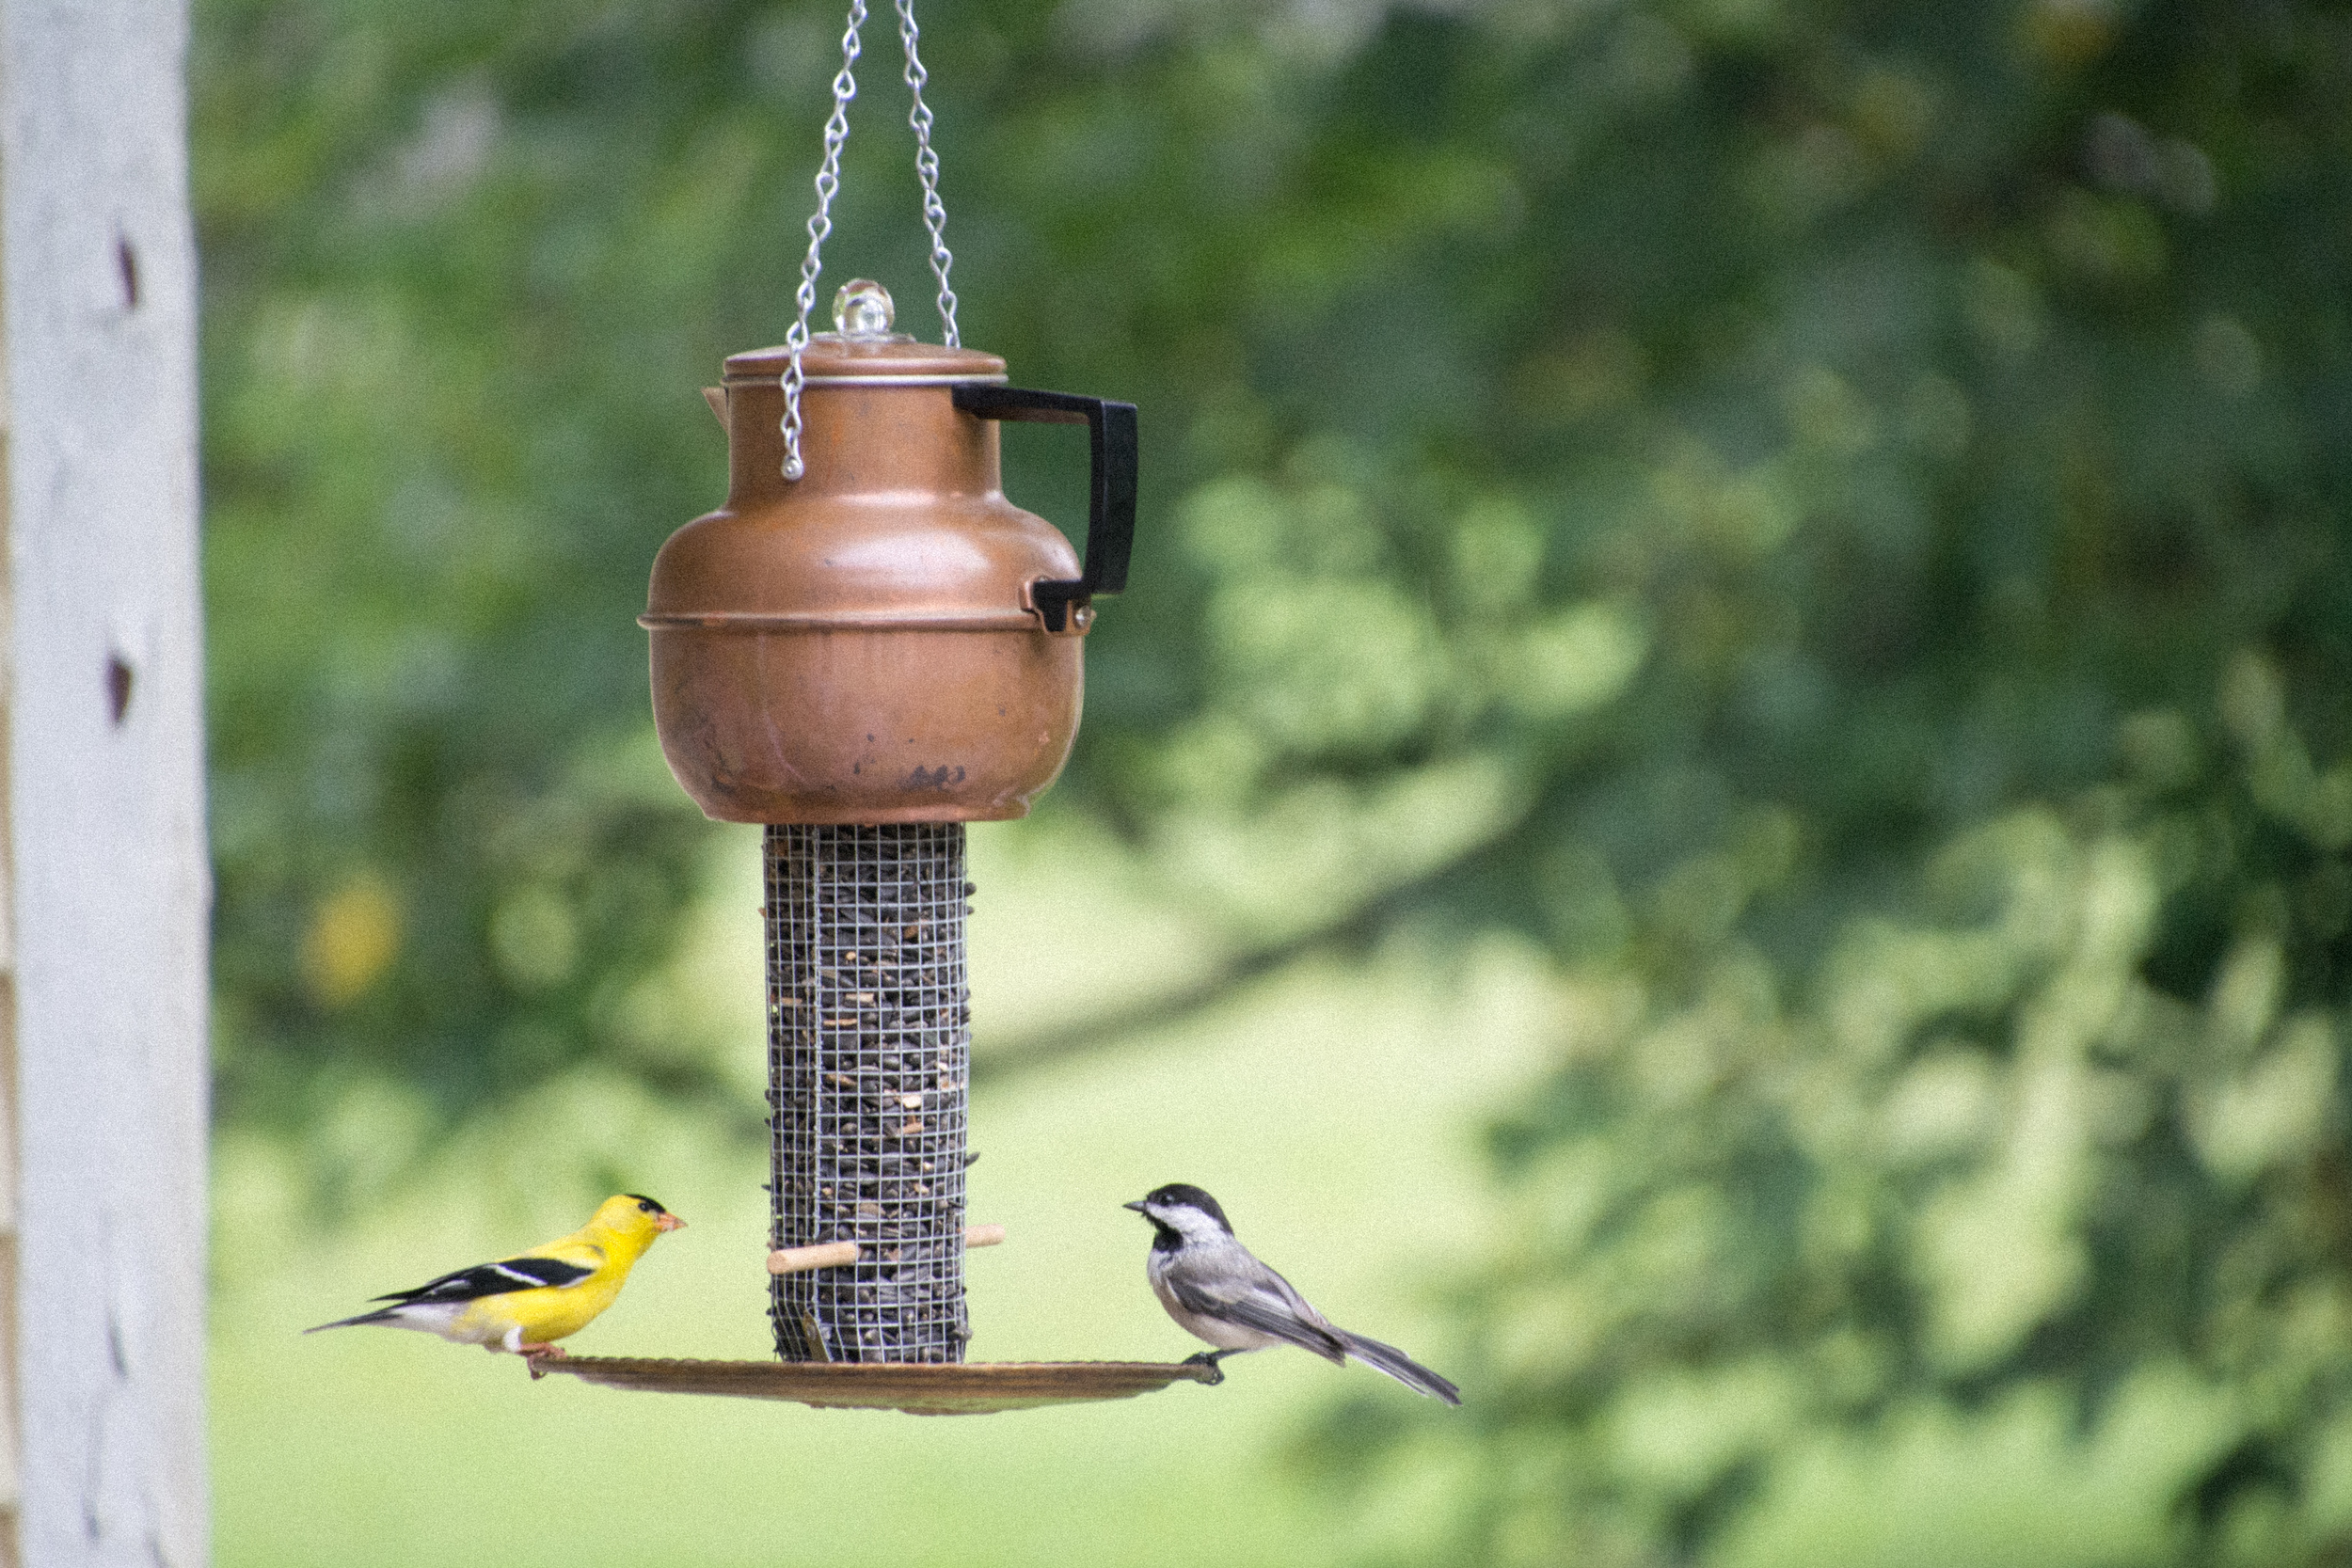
(527, 1302)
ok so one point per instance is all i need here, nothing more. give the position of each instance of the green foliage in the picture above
(1979, 1151)
(1828, 518)
(1954, 899)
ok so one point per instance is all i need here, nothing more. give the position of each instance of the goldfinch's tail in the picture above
(389, 1315)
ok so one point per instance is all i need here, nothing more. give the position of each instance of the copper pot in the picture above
(886, 638)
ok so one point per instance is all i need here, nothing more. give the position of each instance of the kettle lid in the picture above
(863, 348)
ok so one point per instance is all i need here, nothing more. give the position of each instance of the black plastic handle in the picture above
(1111, 511)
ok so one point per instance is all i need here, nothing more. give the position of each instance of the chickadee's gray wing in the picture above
(1260, 1299)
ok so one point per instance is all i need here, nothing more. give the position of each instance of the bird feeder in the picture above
(866, 647)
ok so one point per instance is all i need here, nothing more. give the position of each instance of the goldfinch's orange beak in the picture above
(668, 1222)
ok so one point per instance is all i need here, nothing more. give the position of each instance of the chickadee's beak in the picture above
(1137, 1206)
(668, 1222)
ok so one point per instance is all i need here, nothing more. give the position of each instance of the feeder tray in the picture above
(918, 1389)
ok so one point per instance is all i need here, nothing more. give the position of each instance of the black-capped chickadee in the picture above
(1217, 1290)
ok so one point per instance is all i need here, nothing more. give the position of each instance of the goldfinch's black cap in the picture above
(646, 1203)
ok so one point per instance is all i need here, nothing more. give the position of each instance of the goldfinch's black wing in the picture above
(495, 1279)
(1264, 1302)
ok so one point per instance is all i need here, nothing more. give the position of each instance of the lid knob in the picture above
(862, 308)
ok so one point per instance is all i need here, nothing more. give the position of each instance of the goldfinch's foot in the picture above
(538, 1356)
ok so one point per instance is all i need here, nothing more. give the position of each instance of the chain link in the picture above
(829, 184)
(820, 225)
(927, 167)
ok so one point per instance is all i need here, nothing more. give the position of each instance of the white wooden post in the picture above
(102, 949)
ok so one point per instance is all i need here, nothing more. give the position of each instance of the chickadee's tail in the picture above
(1389, 1359)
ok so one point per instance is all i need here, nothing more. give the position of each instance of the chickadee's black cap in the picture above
(1185, 1193)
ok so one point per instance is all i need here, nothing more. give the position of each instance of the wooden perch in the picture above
(799, 1259)
(834, 1255)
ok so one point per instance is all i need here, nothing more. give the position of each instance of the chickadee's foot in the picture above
(1209, 1359)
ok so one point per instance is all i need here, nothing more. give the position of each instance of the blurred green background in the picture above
(1721, 801)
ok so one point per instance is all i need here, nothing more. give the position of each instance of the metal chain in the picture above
(820, 225)
(829, 182)
(927, 167)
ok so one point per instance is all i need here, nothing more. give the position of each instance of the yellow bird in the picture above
(527, 1302)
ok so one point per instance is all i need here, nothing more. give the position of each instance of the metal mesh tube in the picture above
(869, 1039)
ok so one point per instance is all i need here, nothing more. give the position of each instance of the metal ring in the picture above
(997, 380)
(1014, 620)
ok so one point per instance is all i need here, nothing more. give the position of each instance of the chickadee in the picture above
(1217, 1290)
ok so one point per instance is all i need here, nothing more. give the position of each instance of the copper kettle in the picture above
(886, 638)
